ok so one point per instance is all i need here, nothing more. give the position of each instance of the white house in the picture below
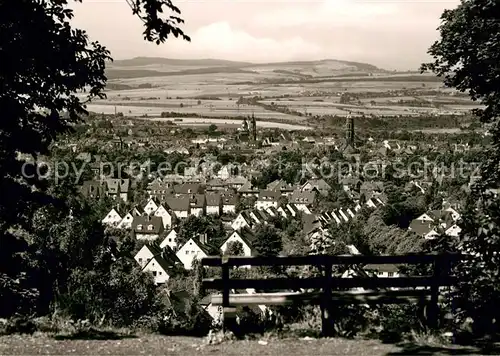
(454, 230)
(118, 188)
(126, 222)
(144, 255)
(283, 212)
(229, 204)
(241, 221)
(112, 218)
(431, 235)
(147, 227)
(383, 271)
(197, 204)
(150, 207)
(170, 240)
(292, 209)
(164, 215)
(190, 251)
(179, 206)
(214, 204)
(454, 214)
(160, 269)
(343, 215)
(224, 173)
(266, 199)
(303, 200)
(371, 204)
(316, 184)
(424, 218)
(162, 263)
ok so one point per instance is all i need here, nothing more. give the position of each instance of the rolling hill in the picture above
(158, 67)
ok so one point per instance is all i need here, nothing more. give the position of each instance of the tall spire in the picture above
(254, 128)
(349, 130)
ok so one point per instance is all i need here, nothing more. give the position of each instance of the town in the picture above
(318, 179)
(183, 194)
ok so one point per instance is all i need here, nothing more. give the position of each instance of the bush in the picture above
(398, 321)
(195, 323)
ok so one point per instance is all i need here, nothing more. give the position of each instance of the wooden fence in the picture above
(335, 290)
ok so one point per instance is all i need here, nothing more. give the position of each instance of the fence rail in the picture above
(335, 290)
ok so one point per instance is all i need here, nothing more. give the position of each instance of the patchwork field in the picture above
(288, 92)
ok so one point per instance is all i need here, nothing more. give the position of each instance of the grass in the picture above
(43, 344)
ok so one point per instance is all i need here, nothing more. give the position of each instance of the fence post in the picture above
(433, 308)
(228, 313)
(327, 303)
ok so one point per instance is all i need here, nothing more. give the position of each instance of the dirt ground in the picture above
(41, 344)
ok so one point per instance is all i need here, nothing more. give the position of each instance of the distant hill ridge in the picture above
(141, 67)
(209, 62)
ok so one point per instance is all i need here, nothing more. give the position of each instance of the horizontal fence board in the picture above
(319, 282)
(318, 260)
(370, 297)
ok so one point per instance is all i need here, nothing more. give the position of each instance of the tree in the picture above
(267, 241)
(212, 128)
(194, 227)
(467, 56)
(234, 248)
(45, 62)
(245, 203)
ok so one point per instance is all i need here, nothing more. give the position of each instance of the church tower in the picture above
(254, 128)
(244, 126)
(349, 134)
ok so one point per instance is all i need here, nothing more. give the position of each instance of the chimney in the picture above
(203, 239)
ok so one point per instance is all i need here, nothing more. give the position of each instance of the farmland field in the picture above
(288, 92)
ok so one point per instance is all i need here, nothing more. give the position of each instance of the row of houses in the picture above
(437, 222)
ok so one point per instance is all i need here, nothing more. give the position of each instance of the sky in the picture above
(388, 34)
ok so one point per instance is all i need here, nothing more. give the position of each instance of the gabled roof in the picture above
(197, 201)
(246, 216)
(292, 209)
(319, 184)
(229, 199)
(302, 197)
(247, 188)
(273, 211)
(382, 268)
(269, 195)
(246, 235)
(187, 188)
(135, 212)
(237, 180)
(279, 185)
(178, 203)
(145, 221)
(310, 222)
(213, 199)
(420, 227)
(441, 215)
(199, 244)
(262, 215)
(160, 206)
(166, 261)
(216, 183)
